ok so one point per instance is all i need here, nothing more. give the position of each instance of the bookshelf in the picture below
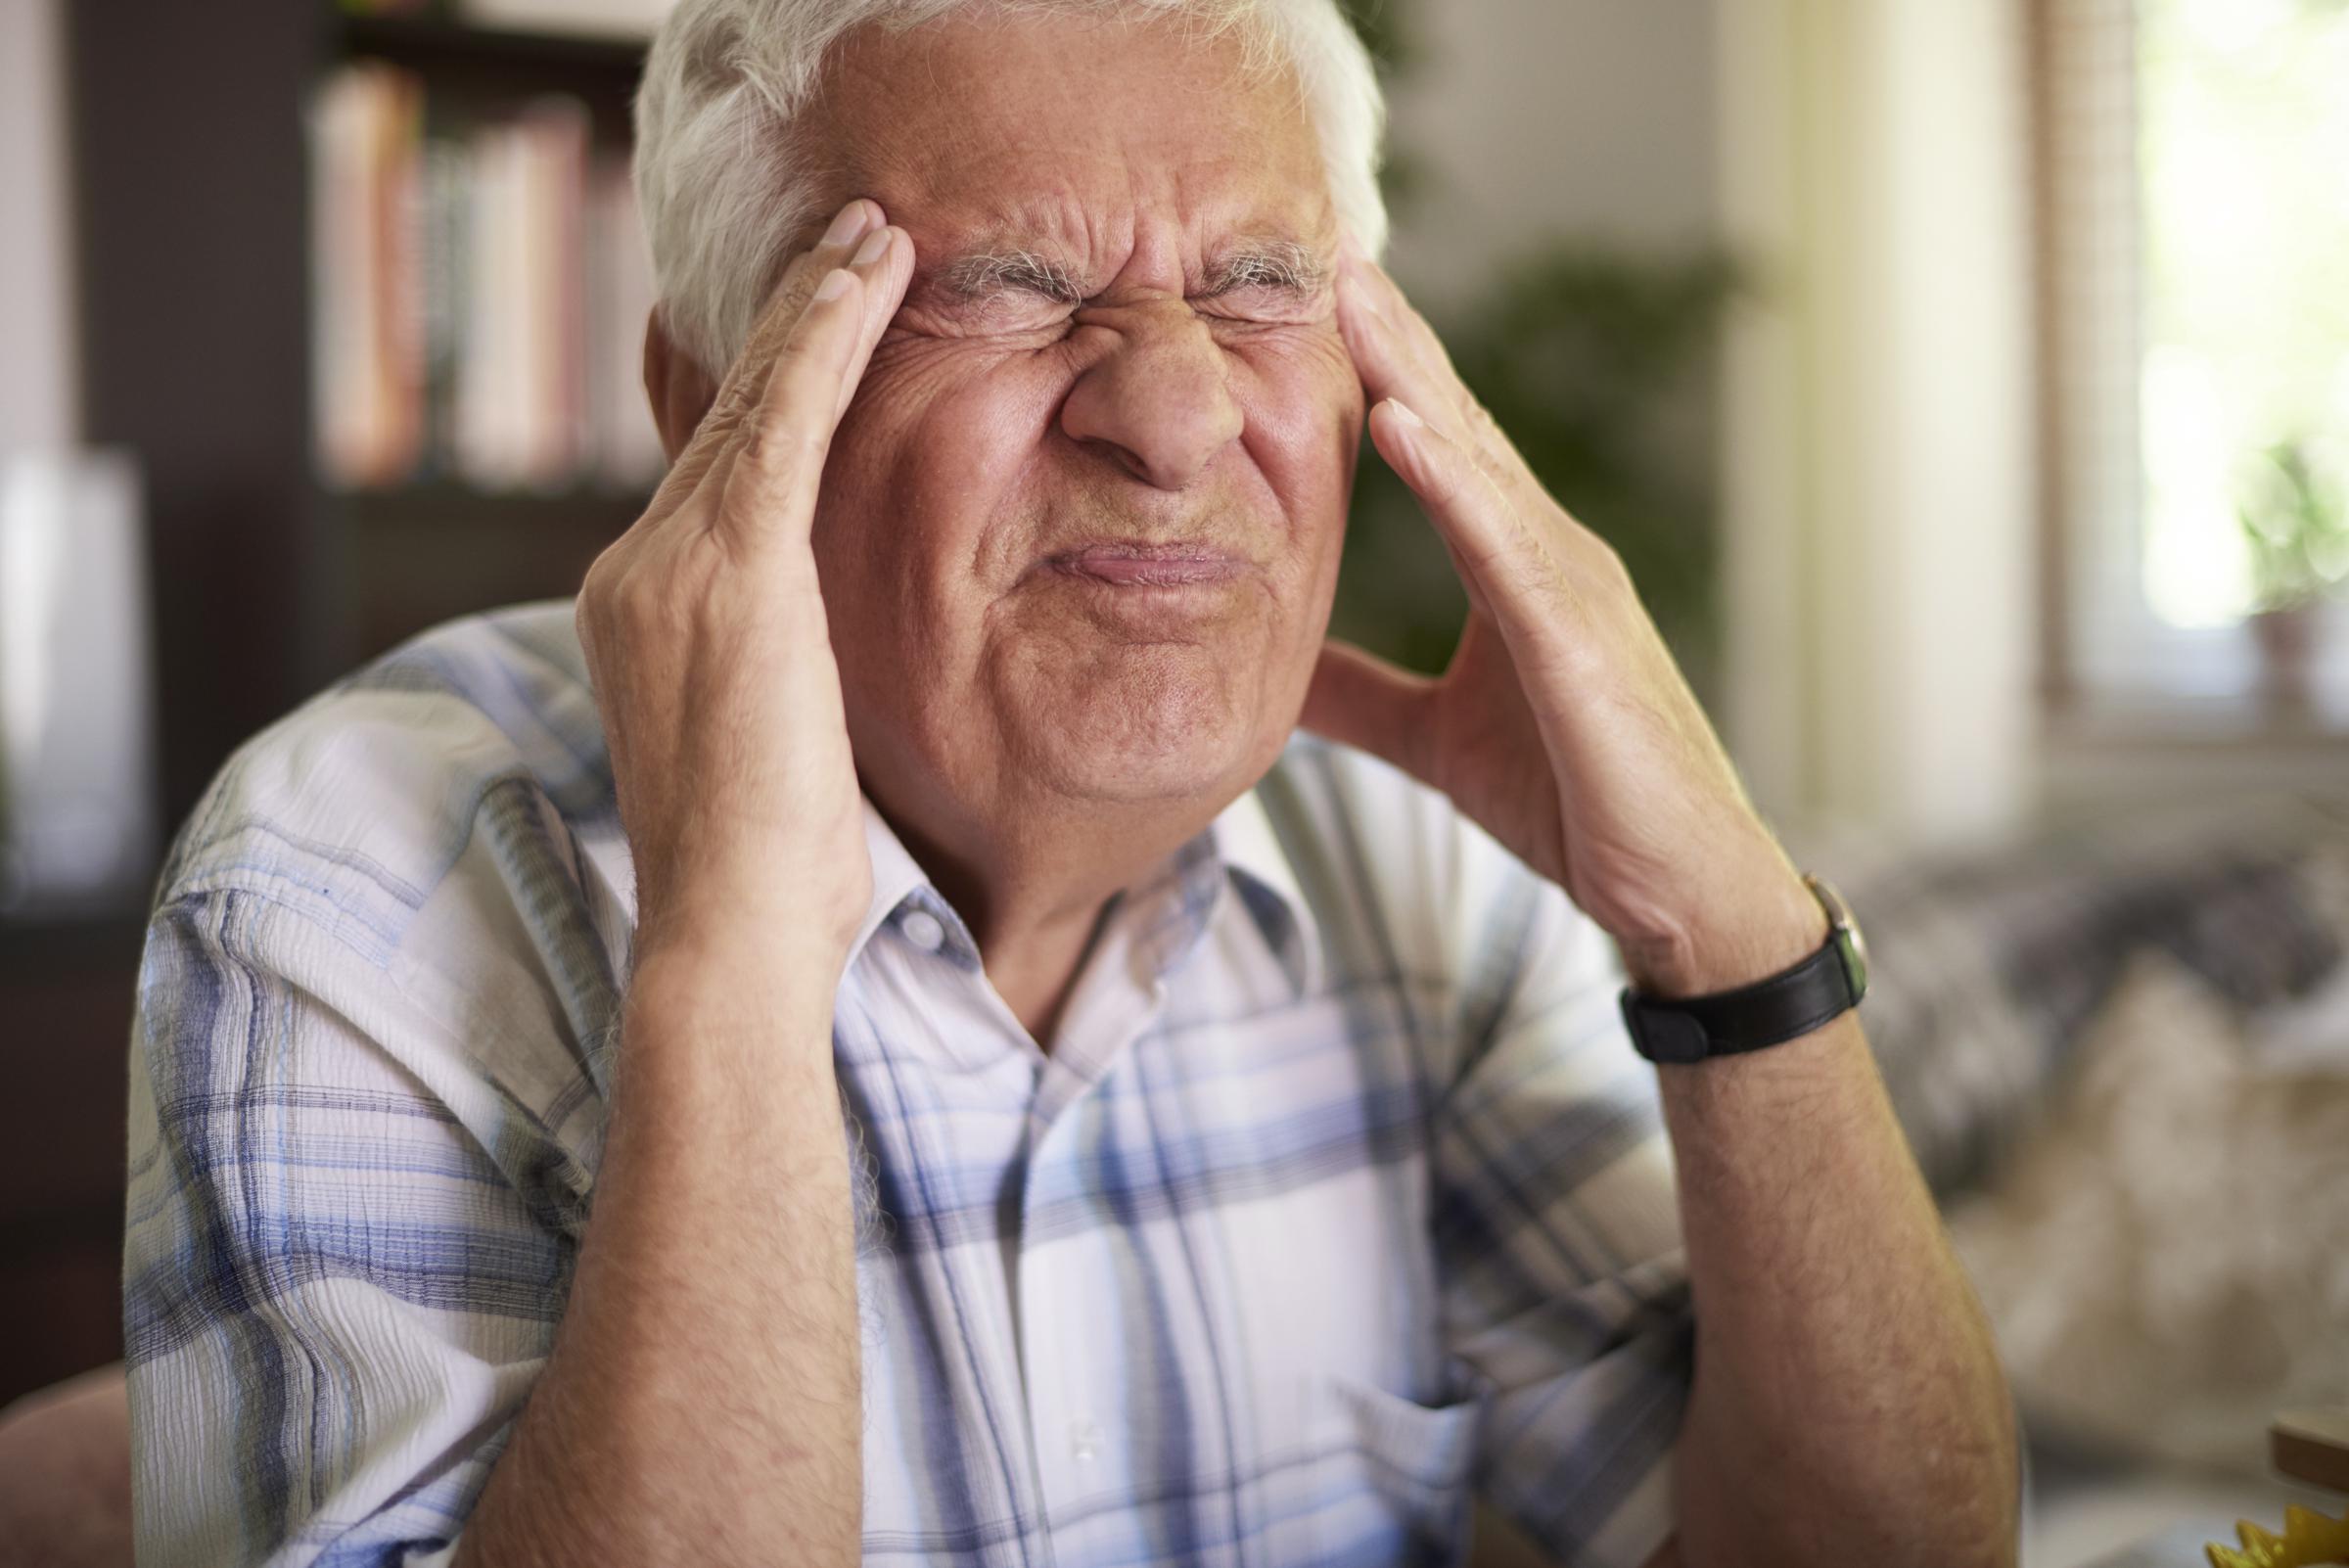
(192, 132)
(515, 548)
(502, 58)
(192, 233)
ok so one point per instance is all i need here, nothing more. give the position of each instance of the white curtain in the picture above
(1879, 488)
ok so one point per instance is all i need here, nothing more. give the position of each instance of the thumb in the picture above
(1358, 698)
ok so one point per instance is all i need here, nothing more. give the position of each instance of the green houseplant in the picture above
(2295, 523)
(1594, 360)
(1591, 359)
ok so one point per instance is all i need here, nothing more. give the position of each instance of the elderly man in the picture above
(870, 1037)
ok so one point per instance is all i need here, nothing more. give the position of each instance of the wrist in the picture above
(717, 981)
(1739, 940)
(761, 922)
(786, 902)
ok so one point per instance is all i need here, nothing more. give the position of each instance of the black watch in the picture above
(1789, 1003)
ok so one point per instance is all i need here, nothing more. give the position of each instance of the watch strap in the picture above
(1782, 1008)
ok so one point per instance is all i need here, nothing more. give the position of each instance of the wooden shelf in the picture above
(450, 504)
(399, 544)
(424, 42)
(478, 72)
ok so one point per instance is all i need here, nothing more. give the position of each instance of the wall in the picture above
(1533, 117)
(1873, 451)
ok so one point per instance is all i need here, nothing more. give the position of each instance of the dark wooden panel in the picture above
(66, 994)
(191, 259)
(513, 547)
(60, 1307)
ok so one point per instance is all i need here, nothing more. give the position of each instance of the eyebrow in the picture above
(980, 274)
(1270, 263)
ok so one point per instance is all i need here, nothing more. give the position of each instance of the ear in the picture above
(680, 391)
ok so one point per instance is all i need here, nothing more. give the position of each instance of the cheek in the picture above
(925, 491)
(1303, 405)
(925, 463)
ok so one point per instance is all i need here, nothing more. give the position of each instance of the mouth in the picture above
(1148, 564)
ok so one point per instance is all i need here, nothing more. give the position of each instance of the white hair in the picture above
(723, 185)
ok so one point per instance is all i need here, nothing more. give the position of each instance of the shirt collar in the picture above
(1243, 840)
(1268, 884)
(896, 874)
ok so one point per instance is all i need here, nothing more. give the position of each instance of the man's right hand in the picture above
(706, 639)
(671, 1423)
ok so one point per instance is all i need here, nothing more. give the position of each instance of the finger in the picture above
(1513, 577)
(1358, 698)
(885, 262)
(1396, 350)
(1469, 511)
(850, 228)
(747, 378)
(787, 442)
(1398, 354)
(770, 492)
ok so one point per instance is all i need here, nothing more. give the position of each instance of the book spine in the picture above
(480, 288)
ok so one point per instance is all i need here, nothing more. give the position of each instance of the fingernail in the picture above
(875, 246)
(851, 223)
(1403, 412)
(836, 283)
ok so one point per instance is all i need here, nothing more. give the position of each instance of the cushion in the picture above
(2166, 1255)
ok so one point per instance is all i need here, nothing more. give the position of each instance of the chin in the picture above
(1177, 726)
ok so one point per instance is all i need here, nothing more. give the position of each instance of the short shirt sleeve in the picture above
(343, 1268)
(1558, 1244)
(369, 1077)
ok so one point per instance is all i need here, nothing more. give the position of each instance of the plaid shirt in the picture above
(1339, 1198)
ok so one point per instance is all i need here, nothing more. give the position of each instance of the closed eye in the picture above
(977, 278)
(1278, 279)
(1279, 267)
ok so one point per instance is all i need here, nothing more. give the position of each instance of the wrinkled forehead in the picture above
(1107, 144)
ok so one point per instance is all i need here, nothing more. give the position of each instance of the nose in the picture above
(1158, 400)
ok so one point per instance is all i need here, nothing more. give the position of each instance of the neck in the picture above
(1034, 896)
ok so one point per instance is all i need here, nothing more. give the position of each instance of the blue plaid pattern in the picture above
(1339, 1198)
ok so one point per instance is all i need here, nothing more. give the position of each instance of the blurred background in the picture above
(1966, 382)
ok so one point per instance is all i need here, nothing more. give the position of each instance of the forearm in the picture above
(703, 1401)
(1849, 1405)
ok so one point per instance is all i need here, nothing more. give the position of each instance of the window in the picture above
(2195, 221)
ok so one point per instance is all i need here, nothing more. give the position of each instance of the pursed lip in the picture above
(1150, 562)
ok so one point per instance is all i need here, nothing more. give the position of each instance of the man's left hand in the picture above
(1562, 725)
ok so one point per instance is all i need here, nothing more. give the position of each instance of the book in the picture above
(480, 288)
(366, 341)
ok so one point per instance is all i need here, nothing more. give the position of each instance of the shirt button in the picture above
(1084, 1438)
(923, 930)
